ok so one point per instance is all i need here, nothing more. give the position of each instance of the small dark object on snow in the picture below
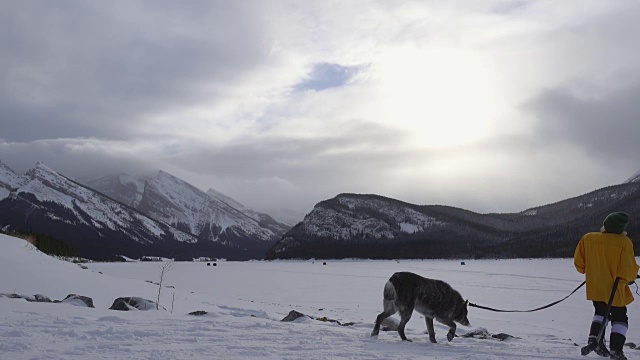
(631, 345)
(462, 263)
(480, 333)
(483, 333)
(293, 315)
(324, 263)
(325, 319)
(198, 313)
(215, 264)
(502, 336)
(208, 264)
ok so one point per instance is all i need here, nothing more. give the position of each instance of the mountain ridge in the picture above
(374, 226)
(99, 226)
(170, 199)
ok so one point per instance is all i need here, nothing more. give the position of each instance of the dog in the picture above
(435, 299)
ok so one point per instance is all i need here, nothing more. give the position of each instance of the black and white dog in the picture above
(435, 299)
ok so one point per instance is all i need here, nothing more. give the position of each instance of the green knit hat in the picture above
(616, 222)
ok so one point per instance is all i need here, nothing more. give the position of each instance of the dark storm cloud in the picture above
(606, 127)
(93, 68)
(76, 158)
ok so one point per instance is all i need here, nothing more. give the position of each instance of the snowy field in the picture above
(245, 302)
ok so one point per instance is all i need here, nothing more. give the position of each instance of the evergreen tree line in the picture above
(47, 244)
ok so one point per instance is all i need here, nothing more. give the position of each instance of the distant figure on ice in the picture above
(602, 257)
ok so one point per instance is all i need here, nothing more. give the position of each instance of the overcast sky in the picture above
(493, 106)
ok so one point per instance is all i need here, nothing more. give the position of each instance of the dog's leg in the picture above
(452, 328)
(405, 316)
(389, 309)
(383, 315)
(430, 329)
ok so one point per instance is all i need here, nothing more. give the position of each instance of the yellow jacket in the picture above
(603, 257)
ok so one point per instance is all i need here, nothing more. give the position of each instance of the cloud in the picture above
(492, 106)
(79, 157)
(97, 69)
(604, 128)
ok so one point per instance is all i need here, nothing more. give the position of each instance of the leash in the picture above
(536, 309)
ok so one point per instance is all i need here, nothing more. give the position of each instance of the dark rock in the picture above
(76, 299)
(39, 298)
(11, 296)
(293, 315)
(34, 298)
(134, 303)
(198, 313)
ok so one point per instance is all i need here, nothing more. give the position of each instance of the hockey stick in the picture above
(589, 348)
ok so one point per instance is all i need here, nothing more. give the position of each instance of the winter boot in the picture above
(618, 355)
(600, 349)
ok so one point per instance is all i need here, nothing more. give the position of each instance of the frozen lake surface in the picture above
(245, 302)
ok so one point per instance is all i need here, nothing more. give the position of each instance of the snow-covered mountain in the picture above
(47, 202)
(371, 226)
(265, 220)
(634, 178)
(286, 217)
(9, 180)
(209, 216)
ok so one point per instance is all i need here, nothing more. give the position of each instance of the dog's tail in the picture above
(390, 296)
(390, 292)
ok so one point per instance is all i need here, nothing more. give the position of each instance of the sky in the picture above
(492, 106)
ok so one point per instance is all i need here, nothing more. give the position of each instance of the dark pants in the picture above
(619, 323)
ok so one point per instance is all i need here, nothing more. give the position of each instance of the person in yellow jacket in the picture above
(602, 257)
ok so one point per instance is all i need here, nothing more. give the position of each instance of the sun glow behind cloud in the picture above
(444, 96)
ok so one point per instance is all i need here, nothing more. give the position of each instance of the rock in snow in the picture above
(78, 300)
(134, 303)
(293, 315)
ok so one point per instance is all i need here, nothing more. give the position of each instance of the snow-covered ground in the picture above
(245, 302)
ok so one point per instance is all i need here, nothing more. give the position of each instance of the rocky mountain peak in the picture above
(634, 178)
